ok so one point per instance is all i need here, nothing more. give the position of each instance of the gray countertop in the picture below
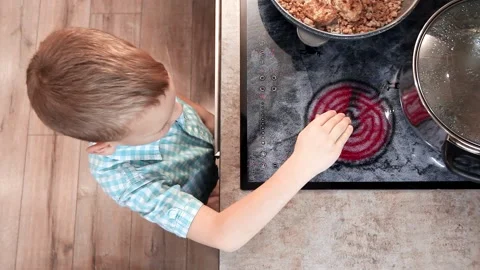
(415, 229)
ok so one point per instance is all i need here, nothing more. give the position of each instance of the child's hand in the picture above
(319, 145)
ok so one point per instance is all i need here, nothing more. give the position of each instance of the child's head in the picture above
(93, 86)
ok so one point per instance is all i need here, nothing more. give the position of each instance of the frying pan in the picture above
(315, 37)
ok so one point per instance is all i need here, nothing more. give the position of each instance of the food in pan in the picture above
(344, 16)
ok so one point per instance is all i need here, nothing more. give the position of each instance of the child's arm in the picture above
(207, 118)
(318, 146)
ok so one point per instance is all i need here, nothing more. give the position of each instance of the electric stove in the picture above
(284, 83)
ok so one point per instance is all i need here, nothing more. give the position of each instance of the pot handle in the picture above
(310, 39)
(451, 152)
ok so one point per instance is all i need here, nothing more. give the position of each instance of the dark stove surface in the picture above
(284, 83)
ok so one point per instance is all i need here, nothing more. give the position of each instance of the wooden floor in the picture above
(52, 213)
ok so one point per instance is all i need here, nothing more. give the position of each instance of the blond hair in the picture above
(90, 85)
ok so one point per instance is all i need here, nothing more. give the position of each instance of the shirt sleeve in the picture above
(149, 195)
(167, 206)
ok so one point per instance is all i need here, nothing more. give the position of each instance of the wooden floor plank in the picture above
(169, 43)
(147, 250)
(201, 257)
(84, 246)
(54, 15)
(18, 31)
(126, 26)
(78, 13)
(166, 34)
(112, 6)
(203, 58)
(112, 229)
(153, 248)
(47, 219)
(111, 234)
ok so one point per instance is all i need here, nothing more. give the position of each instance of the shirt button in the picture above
(172, 214)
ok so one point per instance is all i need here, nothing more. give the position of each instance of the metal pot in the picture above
(315, 37)
(446, 69)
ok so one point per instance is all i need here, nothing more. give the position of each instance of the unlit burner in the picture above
(371, 118)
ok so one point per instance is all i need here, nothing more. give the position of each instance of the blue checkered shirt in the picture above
(166, 181)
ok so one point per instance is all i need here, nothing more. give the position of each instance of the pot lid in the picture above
(447, 68)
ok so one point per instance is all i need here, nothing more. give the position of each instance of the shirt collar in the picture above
(139, 152)
(147, 151)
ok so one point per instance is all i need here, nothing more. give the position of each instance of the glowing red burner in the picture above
(370, 114)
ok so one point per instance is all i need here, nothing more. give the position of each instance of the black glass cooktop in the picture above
(284, 83)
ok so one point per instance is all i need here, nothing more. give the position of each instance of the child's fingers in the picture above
(344, 138)
(321, 119)
(340, 128)
(332, 122)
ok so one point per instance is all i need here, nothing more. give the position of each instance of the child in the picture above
(151, 148)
